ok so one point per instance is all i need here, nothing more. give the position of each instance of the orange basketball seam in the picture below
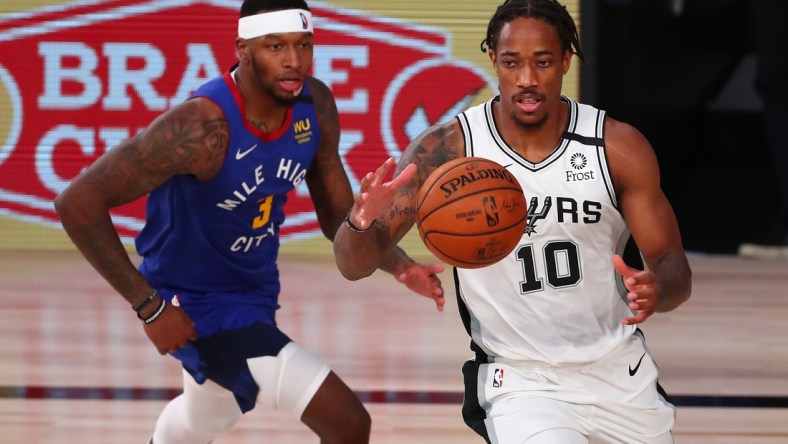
(491, 259)
(486, 233)
(486, 190)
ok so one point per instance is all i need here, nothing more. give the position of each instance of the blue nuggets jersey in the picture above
(221, 235)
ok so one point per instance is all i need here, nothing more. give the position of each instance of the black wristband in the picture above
(144, 303)
(352, 227)
(155, 314)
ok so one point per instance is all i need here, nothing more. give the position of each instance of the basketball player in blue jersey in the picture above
(558, 357)
(217, 169)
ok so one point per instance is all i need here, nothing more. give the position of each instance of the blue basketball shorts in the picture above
(231, 329)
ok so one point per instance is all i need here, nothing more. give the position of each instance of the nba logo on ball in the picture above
(471, 212)
(491, 211)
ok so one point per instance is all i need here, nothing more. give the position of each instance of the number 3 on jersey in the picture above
(265, 212)
(561, 263)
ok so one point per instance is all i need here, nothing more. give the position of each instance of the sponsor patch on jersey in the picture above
(303, 131)
(579, 170)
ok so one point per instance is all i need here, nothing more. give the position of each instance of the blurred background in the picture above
(77, 77)
(683, 72)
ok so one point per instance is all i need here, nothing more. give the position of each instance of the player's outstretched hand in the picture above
(423, 279)
(643, 288)
(375, 196)
(172, 330)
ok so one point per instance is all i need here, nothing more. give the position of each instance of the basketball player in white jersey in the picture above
(558, 355)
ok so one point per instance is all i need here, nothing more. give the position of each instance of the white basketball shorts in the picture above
(614, 400)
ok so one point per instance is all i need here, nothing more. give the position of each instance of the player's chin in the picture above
(285, 99)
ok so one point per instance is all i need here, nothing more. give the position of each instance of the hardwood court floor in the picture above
(75, 366)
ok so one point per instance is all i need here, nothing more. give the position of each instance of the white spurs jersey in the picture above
(556, 298)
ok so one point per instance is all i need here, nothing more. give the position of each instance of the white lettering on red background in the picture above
(102, 73)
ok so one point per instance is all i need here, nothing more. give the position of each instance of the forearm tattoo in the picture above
(433, 150)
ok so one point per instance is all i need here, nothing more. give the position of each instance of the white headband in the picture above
(276, 22)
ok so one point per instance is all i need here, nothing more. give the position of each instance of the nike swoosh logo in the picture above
(632, 371)
(240, 154)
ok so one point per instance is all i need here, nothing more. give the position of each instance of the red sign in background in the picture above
(77, 80)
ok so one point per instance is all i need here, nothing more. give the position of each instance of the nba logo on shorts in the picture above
(498, 377)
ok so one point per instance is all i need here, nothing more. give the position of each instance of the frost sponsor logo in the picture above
(100, 73)
(578, 162)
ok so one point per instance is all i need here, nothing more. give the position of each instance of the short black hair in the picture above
(548, 10)
(252, 7)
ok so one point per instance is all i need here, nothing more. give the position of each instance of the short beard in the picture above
(531, 126)
(280, 101)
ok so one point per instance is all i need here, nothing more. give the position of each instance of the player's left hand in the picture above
(423, 279)
(644, 290)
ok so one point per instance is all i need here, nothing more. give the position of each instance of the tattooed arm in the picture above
(329, 186)
(189, 139)
(389, 209)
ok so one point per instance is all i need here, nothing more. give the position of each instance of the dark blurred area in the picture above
(682, 72)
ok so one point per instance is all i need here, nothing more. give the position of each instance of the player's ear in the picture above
(566, 60)
(493, 59)
(241, 48)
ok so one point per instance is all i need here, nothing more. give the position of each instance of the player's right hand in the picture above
(375, 196)
(172, 330)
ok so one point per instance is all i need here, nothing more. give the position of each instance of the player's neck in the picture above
(535, 142)
(262, 109)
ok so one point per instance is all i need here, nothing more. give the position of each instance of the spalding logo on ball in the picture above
(471, 212)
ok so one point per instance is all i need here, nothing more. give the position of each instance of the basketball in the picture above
(471, 212)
